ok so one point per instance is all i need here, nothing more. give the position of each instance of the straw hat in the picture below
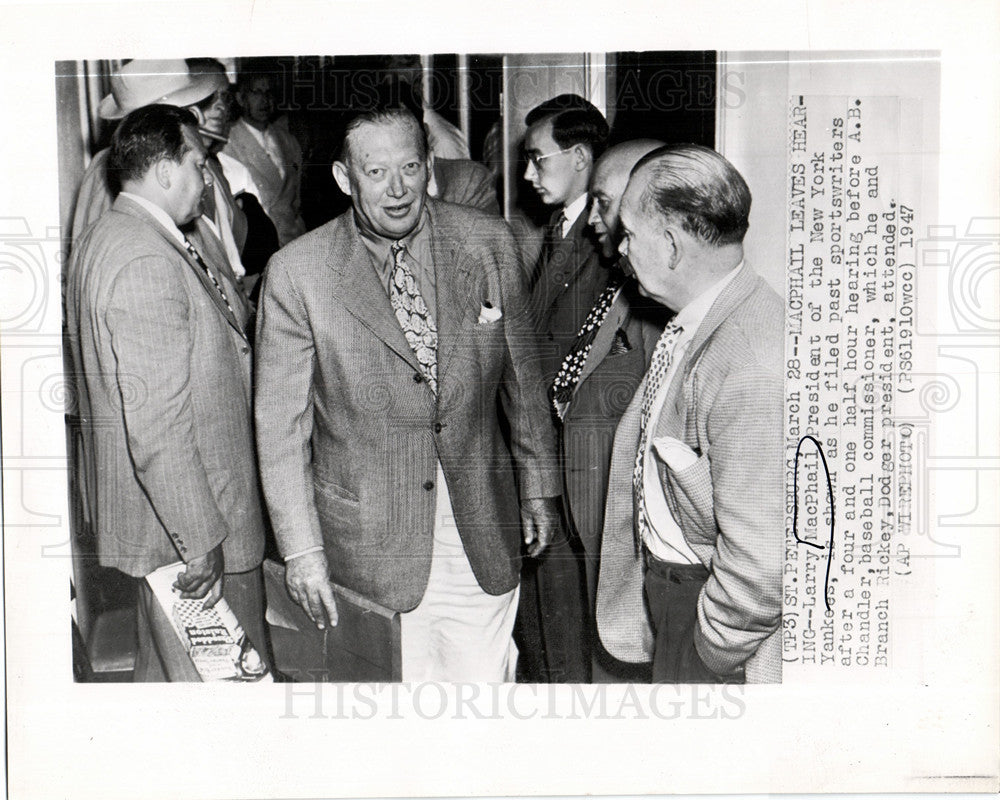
(144, 82)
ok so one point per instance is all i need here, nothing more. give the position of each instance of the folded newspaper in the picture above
(212, 637)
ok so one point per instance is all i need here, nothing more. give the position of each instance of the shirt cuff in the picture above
(315, 549)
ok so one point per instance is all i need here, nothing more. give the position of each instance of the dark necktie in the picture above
(553, 235)
(413, 315)
(193, 251)
(568, 376)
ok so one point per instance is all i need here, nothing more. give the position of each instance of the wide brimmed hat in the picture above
(144, 82)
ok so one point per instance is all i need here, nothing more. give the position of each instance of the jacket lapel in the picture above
(456, 299)
(254, 156)
(565, 262)
(124, 205)
(213, 253)
(359, 288)
(605, 337)
(735, 293)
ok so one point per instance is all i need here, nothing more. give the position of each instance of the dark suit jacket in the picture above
(467, 183)
(349, 432)
(569, 283)
(163, 378)
(615, 365)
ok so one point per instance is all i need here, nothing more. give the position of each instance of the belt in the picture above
(677, 572)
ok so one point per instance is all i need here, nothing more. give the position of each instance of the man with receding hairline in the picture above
(388, 341)
(698, 453)
(598, 377)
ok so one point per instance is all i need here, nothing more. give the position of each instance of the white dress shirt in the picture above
(665, 540)
(571, 212)
(159, 215)
(239, 177)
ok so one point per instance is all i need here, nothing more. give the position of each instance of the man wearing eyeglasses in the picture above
(565, 136)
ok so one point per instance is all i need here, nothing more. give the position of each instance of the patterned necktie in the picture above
(413, 315)
(192, 250)
(208, 202)
(659, 366)
(568, 376)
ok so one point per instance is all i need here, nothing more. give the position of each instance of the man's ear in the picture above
(674, 246)
(342, 176)
(582, 157)
(163, 171)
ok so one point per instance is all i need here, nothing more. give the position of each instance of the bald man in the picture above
(598, 378)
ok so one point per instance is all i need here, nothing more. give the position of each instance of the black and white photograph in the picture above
(474, 403)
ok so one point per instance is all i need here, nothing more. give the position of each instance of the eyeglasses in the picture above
(536, 159)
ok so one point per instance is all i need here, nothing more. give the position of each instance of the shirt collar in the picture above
(379, 246)
(572, 211)
(257, 134)
(693, 314)
(158, 214)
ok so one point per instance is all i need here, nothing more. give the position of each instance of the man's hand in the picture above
(308, 582)
(203, 576)
(540, 521)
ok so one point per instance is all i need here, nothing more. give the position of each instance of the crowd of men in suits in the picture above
(558, 465)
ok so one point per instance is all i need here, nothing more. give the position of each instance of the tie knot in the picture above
(397, 249)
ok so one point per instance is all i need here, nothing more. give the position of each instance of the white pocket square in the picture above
(674, 453)
(489, 314)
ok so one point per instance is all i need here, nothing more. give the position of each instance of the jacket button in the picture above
(437, 427)
(417, 377)
(428, 485)
(245, 349)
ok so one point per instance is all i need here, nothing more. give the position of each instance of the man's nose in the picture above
(593, 218)
(623, 247)
(396, 186)
(530, 173)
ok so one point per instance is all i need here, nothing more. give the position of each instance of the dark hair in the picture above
(254, 68)
(144, 137)
(574, 121)
(699, 188)
(386, 104)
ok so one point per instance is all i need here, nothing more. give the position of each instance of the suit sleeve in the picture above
(148, 316)
(283, 403)
(94, 196)
(478, 191)
(740, 604)
(523, 391)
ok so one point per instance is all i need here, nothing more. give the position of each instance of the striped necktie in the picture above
(659, 366)
(413, 315)
(193, 252)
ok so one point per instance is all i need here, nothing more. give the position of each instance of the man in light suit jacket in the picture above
(163, 372)
(698, 453)
(387, 340)
(263, 143)
(565, 136)
(204, 93)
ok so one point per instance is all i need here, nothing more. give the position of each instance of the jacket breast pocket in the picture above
(692, 491)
